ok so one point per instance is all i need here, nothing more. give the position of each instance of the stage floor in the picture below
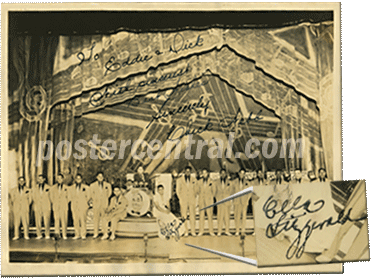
(126, 250)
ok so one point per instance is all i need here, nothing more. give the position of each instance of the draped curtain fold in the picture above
(31, 61)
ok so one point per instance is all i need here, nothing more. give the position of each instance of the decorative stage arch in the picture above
(125, 77)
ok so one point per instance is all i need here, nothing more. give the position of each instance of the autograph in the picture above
(114, 64)
(239, 119)
(201, 104)
(81, 56)
(171, 229)
(177, 133)
(288, 220)
(180, 44)
(98, 98)
(149, 97)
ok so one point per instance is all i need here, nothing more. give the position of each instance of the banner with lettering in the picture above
(87, 62)
(225, 64)
(84, 63)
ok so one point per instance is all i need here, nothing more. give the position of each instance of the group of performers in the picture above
(109, 204)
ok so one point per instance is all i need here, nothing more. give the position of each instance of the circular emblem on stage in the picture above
(33, 103)
(139, 202)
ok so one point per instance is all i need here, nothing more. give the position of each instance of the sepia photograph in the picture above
(120, 123)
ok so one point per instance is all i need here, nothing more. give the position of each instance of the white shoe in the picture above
(105, 236)
(83, 237)
(75, 237)
(194, 234)
(95, 236)
(39, 237)
(228, 233)
(237, 233)
(26, 237)
(219, 234)
(186, 234)
(65, 237)
(113, 237)
(212, 233)
(200, 233)
(47, 237)
(15, 238)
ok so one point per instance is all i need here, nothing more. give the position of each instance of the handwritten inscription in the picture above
(289, 216)
(177, 133)
(98, 98)
(180, 44)
(171, 229)
(114, 64)
(240, 120)
(204, 105)
(150, 97)
(82, 57)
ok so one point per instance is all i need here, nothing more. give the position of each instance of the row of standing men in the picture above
(44, 198)
(188, 188)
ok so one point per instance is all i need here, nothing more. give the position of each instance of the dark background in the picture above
(93, 22)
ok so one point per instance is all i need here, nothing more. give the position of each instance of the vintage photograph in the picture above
(122, 124)
(311, 223)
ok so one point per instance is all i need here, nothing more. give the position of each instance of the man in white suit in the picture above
(79, 197)
(20, 200)
(59, 198)
(224, 189)
(241, 203)
(42, 206)
(100, 193)
(186, 190)
(206, 190)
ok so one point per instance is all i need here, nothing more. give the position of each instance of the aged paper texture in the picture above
(121, 121)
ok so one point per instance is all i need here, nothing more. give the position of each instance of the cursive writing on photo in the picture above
(171, 229)
(181, 44)
(113, 64)
(98, 97)
(289, 217)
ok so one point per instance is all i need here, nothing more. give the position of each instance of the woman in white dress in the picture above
(169, 225)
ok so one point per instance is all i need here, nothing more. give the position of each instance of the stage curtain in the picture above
(324, 45)
(278, 70)
(31, 61)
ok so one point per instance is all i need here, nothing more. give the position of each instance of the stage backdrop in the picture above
(290, 77)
